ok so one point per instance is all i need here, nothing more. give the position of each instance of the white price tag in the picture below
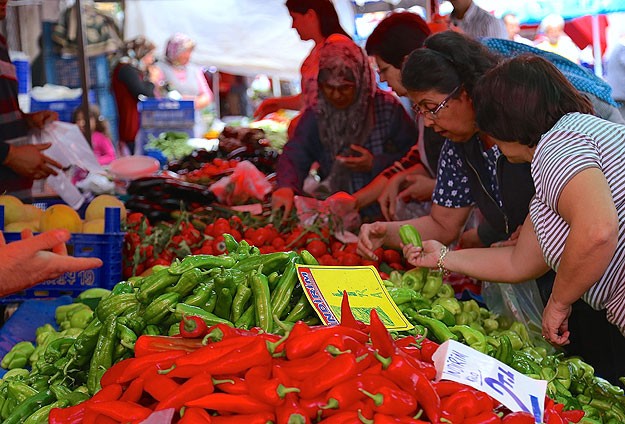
(457, 362)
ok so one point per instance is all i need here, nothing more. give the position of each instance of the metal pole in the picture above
(83, 64)
(596, 45)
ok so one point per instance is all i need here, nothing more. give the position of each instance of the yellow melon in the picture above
(31, 213)
(95, 226)
(17, 227)
(13, 208)
(60, 216)
(96, 208)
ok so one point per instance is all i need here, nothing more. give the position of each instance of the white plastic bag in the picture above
(71, 149)
(341, 206)
(245, 183)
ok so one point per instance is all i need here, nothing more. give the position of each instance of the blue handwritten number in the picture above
(505, 381)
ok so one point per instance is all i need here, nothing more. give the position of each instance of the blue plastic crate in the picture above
(22, 69)
(145, 135)
(66, 72)
(164, 113)
(107, 246)
(65, 108)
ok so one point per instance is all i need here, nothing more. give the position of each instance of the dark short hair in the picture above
(522, 98)
(448, 59)
(396, 36)
(328, 18)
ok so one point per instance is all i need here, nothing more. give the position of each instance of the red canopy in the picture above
(580, 31)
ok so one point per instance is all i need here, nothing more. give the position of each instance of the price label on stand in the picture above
(324, 287)
(457, 362)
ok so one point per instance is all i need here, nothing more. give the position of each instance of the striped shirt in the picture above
(578, 142)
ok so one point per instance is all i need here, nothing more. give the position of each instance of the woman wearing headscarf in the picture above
(187, 78)
(354, 132)
(132, 76)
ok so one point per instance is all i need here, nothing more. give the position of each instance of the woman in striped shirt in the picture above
(577, 217)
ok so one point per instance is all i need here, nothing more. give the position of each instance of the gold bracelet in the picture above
(440, 263)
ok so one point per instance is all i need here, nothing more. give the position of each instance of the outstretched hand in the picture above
(34, 259)
(426, 256)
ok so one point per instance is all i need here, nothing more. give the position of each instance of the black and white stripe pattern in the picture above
(575, 143)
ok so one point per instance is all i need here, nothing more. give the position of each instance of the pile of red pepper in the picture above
(351, 373)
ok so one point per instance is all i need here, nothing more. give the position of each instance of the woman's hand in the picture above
(35, 259)
(41, 118)
(388, 198)
(29, 161)
(420, 187)
(556, 322)
(426, 257)
(370, 237)
(361, 163)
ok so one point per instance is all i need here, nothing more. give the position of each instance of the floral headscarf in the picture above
(342, 61)
(177, 44)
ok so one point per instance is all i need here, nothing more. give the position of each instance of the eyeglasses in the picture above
(433, 112)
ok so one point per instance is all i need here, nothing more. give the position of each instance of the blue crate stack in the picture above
(160, 115)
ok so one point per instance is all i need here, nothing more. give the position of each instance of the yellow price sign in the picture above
(324, 286)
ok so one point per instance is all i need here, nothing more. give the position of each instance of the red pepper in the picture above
(301, 369)
(192, 327)
(347, 317)
(219, 332)
(380, 337)
(446, 388)
(159, 361)
(291, 410)
(349, 391)
(553, 417)
(160, 386)
(196, 416)
(200, 385)
(111, 392)
(266, 389)
(208, 353)
(520, 417)
(236, 361)
(428, 347)
(337, 370)
(462, 404)
(488, 417)
(103, 419)
(257, 418)
(112, 374)
(573, 415)
(223, 402)
(71, 415)
(119, 410)
(426, 368)
(147, 345)
(345, 417)
(416, 383)
(231, 384)
(134, 391)
(388, 400)
(316, 340)
(389, 419)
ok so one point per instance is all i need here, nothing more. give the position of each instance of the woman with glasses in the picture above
(354, 132)
(576, 224)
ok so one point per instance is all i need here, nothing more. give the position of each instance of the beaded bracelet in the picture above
(440, 262)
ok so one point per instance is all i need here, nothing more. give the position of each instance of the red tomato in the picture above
(397, 266)
(210, 230)
(383, 275)
(335, 246)
(261, 237)
(266, 249)
(367, 262)
(134, 219)
(328, 260)
(235, 222)
(351, 247)
(317, 248)
(278, 243)
(350, 259)
(161, 261)
(379, 252)
(219, 246)
(391, 256)
(249, 233)
(236, 234)
(221, 226)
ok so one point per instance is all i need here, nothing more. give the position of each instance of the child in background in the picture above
(100, 136)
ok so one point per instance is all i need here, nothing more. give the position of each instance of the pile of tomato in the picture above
(209, 171)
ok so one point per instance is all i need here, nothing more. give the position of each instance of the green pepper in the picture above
(200, 294)
(524, 363)
(122, 287)
(262, 302)
(246, 320)
(211, 303)
(472, 308)
(273, 279)
(20, 391)
(41, 415)
(156, 311)
(435, 327)
(242, 296)
(439, 313)
(18, 356)
(490, 325)
(281, 296)
(126, 336)
(521, 330)
(301, 310)
(414, 278)
(223, 307)
(232, 245)
(115, 305)
(563, 374)
(151, 330)
(408, 234)
(133, 319)
(58, 348)
(173, 330)
(188, 310)
(504, 350)
(103, 354)
(401, 295)
(433, 283)
(446, 291)
(269, 261)
(472, 337)
(580, 369)
(155, 284)
(81, 318)
(515, 339)
(463, 318)
(29, 406)
(203, 262)
(450, 303)
(14, 373)
(308, 258)
(187, 282)
(60, 314)
(395, 277)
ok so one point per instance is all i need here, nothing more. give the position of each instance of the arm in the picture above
(273, 104)
(510, 264)
(131, 78)
(205, 97)
(589, 247)
(46, 256)
(442, 224)
(103, 148)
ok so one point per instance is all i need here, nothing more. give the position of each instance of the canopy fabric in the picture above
(242, 37)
